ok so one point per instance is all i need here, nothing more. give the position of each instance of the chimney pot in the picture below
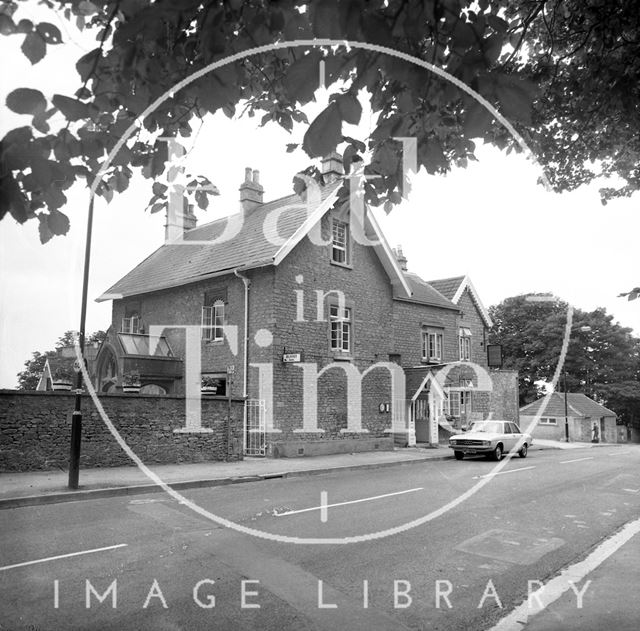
(401, 258)
(176, 226)
(251, 191)
(332, 167)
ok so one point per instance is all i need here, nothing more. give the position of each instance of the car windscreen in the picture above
(493, 427)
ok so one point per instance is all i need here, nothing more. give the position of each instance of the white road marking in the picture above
(619, 453)
(576, 460)
(364, 499)
(323, 507)
(574, 574)
(488, 475)
(631, 490)
(62, 556)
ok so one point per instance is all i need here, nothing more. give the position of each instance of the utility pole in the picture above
(76, 418)
(566, 408)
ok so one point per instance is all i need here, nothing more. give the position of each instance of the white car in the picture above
(491, 438)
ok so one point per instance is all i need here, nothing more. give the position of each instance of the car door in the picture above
(517, 434)
(508, 439)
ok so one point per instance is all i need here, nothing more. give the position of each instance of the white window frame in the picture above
(457, 400)
(213, 322)
(453, 407)
(131, 325)
(548, 420)
(432, 344)
(339, 243)
(464, 344)
(340, 329)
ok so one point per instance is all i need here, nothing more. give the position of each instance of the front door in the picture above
(421, 417)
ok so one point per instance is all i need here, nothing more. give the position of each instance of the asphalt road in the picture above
(536, 516)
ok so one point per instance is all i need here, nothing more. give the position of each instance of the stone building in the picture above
(299, 306)
(585, 421)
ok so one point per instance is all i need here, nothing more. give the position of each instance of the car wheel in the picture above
(523, 452)
(459, 455)
(497, 452)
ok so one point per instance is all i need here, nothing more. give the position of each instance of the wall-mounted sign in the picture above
(494, 355)
(291, 358)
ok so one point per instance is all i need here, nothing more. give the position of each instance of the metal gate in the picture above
(255, 428)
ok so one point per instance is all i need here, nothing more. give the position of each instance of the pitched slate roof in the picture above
(578, 405)
(454, 287)
(424, 293)
(447, 286)
(255, 243)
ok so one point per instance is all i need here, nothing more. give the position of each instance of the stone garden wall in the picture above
(35, 429)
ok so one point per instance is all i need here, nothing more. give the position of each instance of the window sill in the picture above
(339, 357)
(213, 342)
(343, 265)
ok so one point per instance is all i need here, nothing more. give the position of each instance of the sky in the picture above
(491, 221)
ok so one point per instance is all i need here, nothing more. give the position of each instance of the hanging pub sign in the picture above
(494, 355)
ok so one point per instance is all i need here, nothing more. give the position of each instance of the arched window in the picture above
(107, 372)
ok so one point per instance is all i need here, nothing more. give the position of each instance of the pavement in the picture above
(604, 594)
(47, 487)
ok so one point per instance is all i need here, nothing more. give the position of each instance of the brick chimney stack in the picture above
(177, 227)
(401, 258)
(251, 191)
(332, 167)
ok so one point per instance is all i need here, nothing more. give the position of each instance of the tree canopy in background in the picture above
(603, 362)
(29, 377)
(564, 73)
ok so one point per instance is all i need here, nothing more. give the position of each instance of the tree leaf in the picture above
(86, 8)
(58, 222)
(34, 47)
(72, 109)
(350, 108)
(85, 64)
(159, 189)
(324, 133)
(386, 159)
(303, 77)
(6, 24)
(49, 33)
(516, 98)
(325, 22)
(24, 26)
(476, 120)
(202, 199)
(43, 228)
(26, 101)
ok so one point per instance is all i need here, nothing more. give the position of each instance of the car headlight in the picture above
(486, 443)
(453, 441)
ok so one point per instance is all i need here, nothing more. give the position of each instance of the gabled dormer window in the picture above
(340, 242)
